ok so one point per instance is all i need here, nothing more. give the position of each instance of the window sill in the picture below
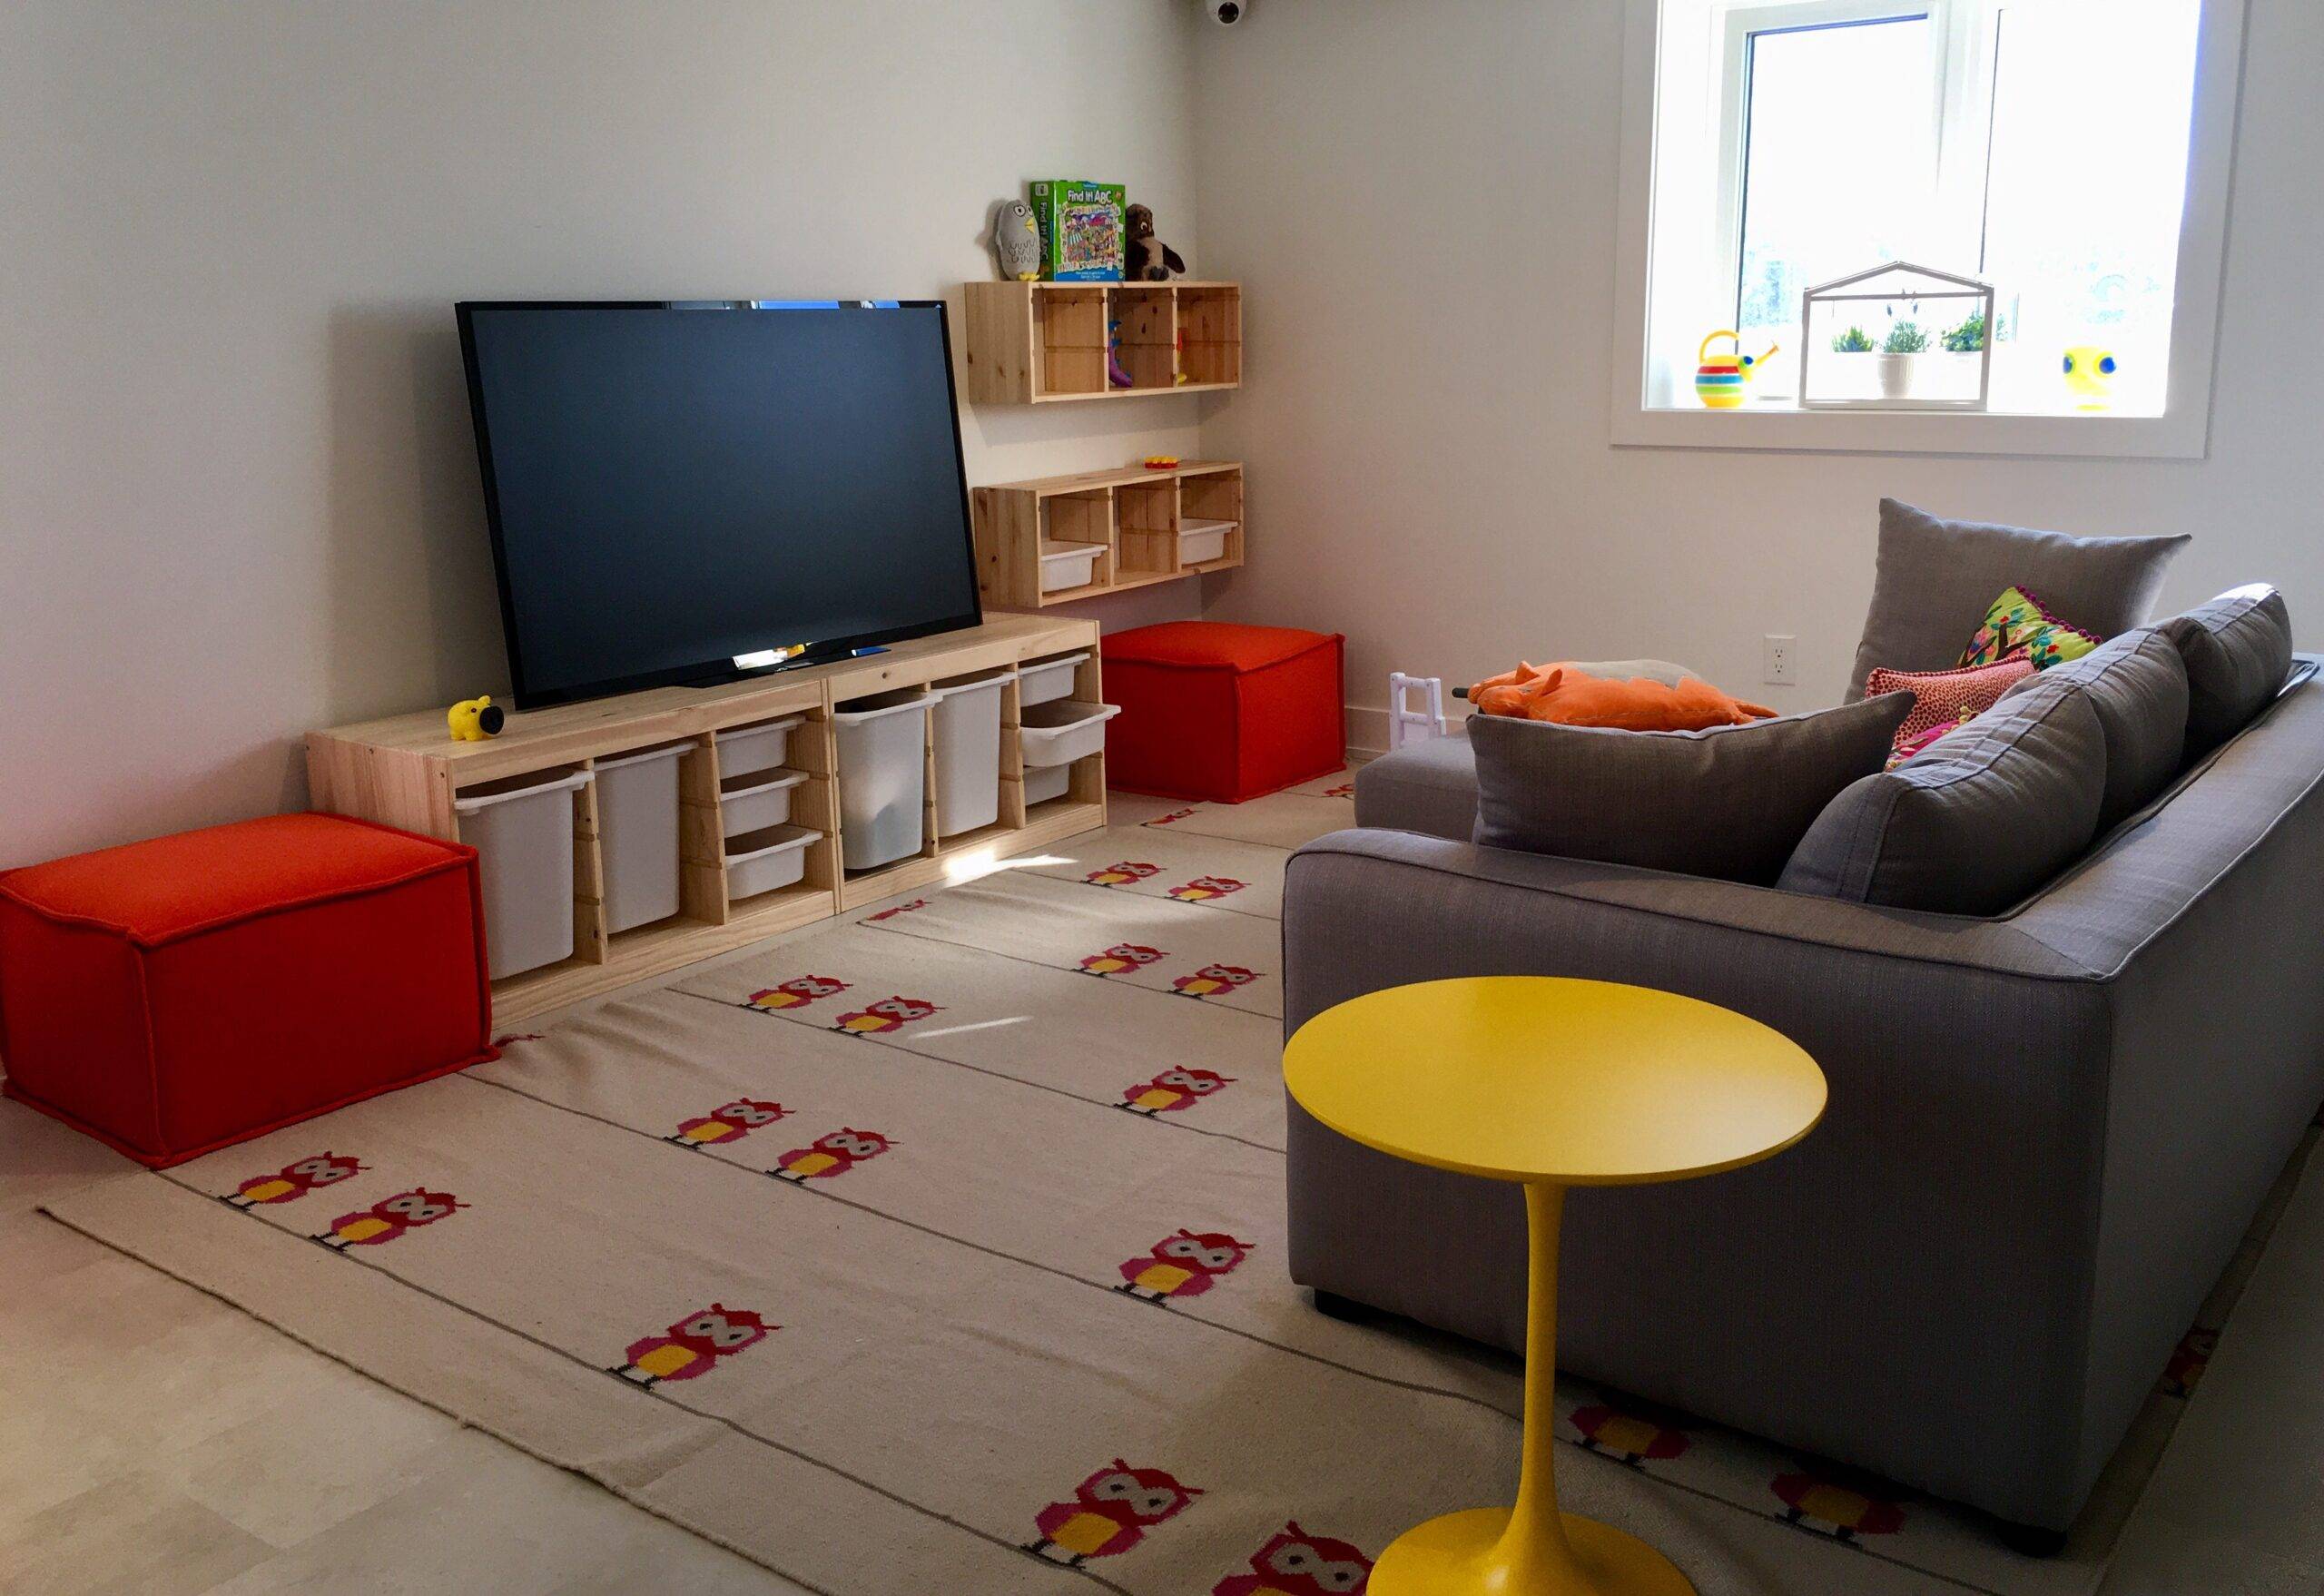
(1914, 432)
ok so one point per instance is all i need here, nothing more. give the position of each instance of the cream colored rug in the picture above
(940, 1250)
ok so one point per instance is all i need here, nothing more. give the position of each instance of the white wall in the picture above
(1420, 200)
(237, 490)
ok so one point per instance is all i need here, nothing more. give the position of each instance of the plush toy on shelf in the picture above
(1151, 260)
(473, 720)
(1017, 241)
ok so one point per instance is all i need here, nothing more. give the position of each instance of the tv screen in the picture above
(674, 487)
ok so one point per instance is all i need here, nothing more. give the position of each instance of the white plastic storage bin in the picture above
(524, 836)
(1064, 731)
(1068, 564)
(637, 835)
(757, 802)
(1200, 541)
(882, 775)
(968, 754)
(1046, 679)
(1046, 783)
(746, 750)
(759, 861)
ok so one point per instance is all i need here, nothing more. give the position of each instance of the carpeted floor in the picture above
(940, 1250)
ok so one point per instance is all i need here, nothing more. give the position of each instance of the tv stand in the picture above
(406, 771)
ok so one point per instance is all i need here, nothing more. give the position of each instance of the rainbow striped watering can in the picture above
(1719, 379)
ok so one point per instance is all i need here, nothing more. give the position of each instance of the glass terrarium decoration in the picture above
(1897, 337)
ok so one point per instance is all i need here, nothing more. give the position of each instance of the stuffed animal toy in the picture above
(1566, 696)
(1151, 260)
(472, 720)
(1017, 241)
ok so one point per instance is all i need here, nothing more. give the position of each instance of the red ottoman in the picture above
(174, 996)
(1221, 711)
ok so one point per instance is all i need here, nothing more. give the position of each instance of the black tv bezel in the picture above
(719, 668)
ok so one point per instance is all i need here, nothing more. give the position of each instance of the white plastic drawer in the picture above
(746, 750)
(1046, 679)
(762, 803)
(760, 862)
(1063, 730)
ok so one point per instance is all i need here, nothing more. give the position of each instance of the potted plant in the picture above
(1856, 341)
(1969, 338)
(1905, 341)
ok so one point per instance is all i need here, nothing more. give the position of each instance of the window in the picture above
(2071, 153)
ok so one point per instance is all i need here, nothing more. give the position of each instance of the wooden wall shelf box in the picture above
(406, 771)
(1030, 343)
(1133, 516)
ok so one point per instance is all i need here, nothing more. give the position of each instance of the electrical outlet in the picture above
(1778, 656)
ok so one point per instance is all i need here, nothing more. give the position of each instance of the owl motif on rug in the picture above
(796, 993)
(1110, 1512)
(727, 1122)
(294, 1181)
(886, 1015)
(1297, 1563)
(1207, 886)
(1173, 1091)
(388, 1218)
(1115, 875)
(830, 1157)
(1121, 956)
(693, 1346)
(1185, 1265)
(1212, 980)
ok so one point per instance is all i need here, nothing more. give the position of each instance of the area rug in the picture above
(940, 1250)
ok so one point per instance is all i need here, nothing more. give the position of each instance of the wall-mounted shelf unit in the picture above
(1142, 527)
(1044, 343)
(407, 772)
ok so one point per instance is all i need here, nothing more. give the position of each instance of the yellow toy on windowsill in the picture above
(473, 720)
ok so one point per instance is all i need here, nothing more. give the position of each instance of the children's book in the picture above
(1081, 229)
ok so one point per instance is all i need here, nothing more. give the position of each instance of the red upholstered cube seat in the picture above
(172, 996)
(1221, 712)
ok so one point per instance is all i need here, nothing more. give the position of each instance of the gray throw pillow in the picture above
(1937, 578)
(1728, 802)
(1974, 822)
(2138, 685)
(2238, 649)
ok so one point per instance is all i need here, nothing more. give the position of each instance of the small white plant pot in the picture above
(1896, 375)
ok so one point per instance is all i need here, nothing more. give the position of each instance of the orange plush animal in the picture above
(1570, 697)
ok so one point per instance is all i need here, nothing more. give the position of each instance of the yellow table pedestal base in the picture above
(1465, 1554)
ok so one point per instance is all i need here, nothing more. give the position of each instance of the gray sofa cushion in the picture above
(1974, 823)
(1729, 802)
(1429, 787)
(2138, 685)
(1937, 578)
(2237, 650)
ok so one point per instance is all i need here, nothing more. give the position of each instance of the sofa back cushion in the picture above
(2238, 652)
(2138, 685)
(1937, 578)
(1972, 823)
(1728, 802)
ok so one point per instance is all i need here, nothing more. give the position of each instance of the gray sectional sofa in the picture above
(2049, 1127)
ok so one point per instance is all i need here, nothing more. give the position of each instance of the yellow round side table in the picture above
(1554, 1083)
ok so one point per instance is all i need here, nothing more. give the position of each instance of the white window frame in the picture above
(1963, 32)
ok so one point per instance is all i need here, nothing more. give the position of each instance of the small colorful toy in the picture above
(1161, 462)
(473, 720)
(1719, 379)
(1116, 373)
(2089, 376)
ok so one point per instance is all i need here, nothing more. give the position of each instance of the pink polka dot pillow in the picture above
(1943, 699)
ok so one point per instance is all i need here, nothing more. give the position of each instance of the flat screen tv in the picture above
(686, 491)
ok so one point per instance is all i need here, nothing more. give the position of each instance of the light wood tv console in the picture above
(405, 771)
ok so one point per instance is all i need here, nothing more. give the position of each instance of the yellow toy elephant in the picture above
(473, 720)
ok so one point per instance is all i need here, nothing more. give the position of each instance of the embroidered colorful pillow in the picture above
(2020, 624)
(1909, 746)
(1944, 698)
